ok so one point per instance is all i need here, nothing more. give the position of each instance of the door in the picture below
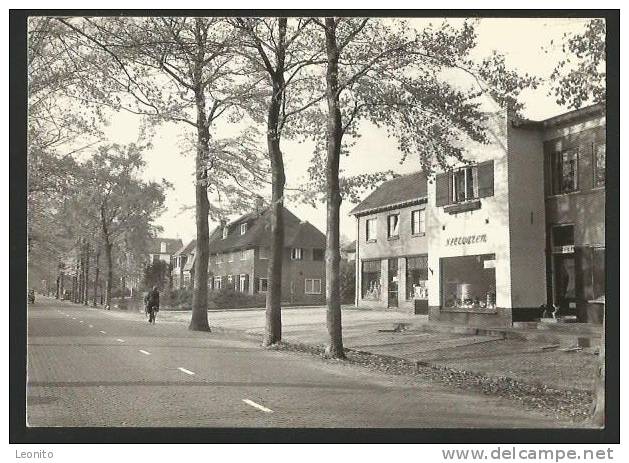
(393, 283)
(565, 279)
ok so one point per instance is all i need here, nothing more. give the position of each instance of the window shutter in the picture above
(486, 179)
(443, 189)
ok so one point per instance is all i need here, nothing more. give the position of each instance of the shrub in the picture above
(228, 298)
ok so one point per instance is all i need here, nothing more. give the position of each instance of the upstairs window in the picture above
(243, 254)
(465, 184)
(264, 252)
(599, 164)
(312, 286)
(225, 232)
(162, 247)
(318, 254)
(243, 228)
(564, 172)
(393, 226)
(418, 222)
(297, 254)
(263, 285)
(370, 233)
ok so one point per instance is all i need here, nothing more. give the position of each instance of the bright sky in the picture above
(520, 40)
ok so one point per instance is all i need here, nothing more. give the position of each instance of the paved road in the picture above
(90, 367)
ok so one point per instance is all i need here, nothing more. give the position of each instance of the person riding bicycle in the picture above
(151, 303)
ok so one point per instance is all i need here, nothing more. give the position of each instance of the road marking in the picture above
(258, 406)
(80, 321)
(120, 340)
(91, 326)
(145, 352)
(104, 332)
(73, 318)
(188, 372)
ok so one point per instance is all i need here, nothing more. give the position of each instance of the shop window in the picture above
(263, 285)
(318, 254)
(564, 173)
(371, 285)
(417, 277)
(599, 164)
(370, 225)
(418, 222)
(312, 286)
(393, 226)
(598, 273)
(297, 254)
(469, 282)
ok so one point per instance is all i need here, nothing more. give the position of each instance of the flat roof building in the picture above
(521, 224)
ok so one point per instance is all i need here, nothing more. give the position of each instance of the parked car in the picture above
(30, 294)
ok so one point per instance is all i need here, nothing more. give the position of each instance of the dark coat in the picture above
(152, 298)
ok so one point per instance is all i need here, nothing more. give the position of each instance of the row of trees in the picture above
(313, 79)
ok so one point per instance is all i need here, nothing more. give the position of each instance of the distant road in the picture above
(89, 367)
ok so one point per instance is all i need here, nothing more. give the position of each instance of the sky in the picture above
(521, 40)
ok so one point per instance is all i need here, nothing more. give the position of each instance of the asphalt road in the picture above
(90, 367)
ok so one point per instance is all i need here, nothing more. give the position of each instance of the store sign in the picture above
(463, 240)
(489, 264)
(567, 249)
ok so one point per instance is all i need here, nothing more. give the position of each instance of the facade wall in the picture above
(527, 222)
(405, 245)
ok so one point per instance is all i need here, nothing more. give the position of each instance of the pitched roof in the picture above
(187, 249)
(172, 245)
(400, 190)
(296, 233)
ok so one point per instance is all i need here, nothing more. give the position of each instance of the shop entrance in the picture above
(393, 283)
(565, 277)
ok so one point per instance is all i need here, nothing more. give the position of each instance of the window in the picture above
(313, 286)
(393, 226)
(243, 254)
(599, 164)
(230, 280)
(162, 247)
(217, 283)
(465, 184)
(264, 253)
(225, 232)
(297, 254)
(155, 258)
(318, 254)
(370, 225)
(371, 285)
(564, 172)
(417, 277)
(469, 282)
(418, 222)
(243, 228)
(263, 285)
(244, 283)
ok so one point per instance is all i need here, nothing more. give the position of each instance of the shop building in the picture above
(520, 225)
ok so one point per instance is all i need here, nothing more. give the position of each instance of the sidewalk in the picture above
(532, 361)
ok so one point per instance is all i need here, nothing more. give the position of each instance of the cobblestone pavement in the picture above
(90, 367)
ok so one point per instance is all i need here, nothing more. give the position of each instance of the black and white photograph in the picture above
(317, 223)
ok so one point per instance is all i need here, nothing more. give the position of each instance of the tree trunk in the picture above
(333, 196)
(199, 320)
(96, 276)
(110, 273)
(57, 289)
(598, 415)
(273, 328)
(86, 295)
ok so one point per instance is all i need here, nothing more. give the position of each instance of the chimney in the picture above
(259, 204)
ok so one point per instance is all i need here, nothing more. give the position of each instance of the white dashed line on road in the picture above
(188, 372)
(145, 352)
(120, 340)
(104, 332)
(80, 321)
(258, 406)
(91, 326)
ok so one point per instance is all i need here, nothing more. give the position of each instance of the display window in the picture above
(371, 285)
(469, 282)
(417, 277)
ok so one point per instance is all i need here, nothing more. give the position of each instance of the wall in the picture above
(526, 221)
(491, 220)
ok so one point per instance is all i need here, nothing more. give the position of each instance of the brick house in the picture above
(182, 273)
(163, 249)
(489, 241)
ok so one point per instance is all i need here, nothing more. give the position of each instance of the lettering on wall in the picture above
(463, 240)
